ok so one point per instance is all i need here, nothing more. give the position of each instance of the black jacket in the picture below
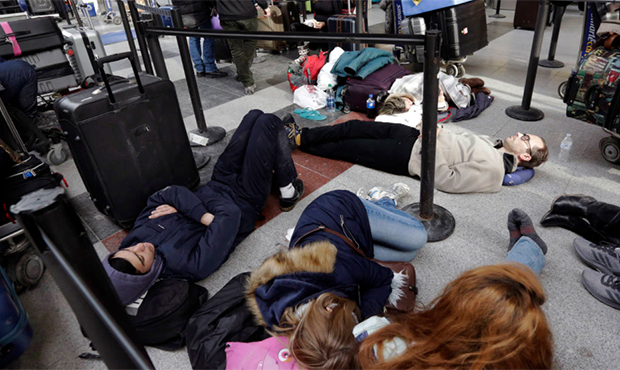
(195, 12)
(324, 9)
(234, 10)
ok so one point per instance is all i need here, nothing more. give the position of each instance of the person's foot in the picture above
(215, 74)
(604, 257)
(483, 90)
(292, 130)
(605, 288)
(395, 192)
(519, 219)
(472, 82)
(249, 90)
(571, 204)
(238, 78)
(287, 204)
(201, 74)
(362, 193)
(258, 59)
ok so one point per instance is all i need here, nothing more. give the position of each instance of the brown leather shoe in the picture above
(476, 90)
(472, 82)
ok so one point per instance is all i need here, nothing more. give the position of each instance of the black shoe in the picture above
(201, 74)
(216, 74)
(287, 204)
(292, 129)
(238, 78)
(573, 205)
(553, 219)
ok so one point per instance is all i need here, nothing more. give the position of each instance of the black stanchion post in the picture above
(59, 237)
(550, 62)
(127, 27)
(213, 134)
(438, 221)
(525, 112)
(359, 19)
(157, 54)
(135, 17)
(497, 15)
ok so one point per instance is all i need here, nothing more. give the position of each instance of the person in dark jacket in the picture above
(323, 9)
(197, 14)
(241, 15)
(291, 291)
(188, 235)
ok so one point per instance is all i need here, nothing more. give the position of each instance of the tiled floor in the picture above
(585, 330)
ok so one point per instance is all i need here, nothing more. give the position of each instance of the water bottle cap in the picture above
(370, 95)
(330, 85)
(567, 134)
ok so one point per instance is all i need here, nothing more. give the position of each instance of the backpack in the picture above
(306, 73)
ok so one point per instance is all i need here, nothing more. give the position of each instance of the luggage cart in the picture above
(109, 15)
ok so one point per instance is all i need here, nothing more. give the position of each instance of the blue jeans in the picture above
(397, 236)
(19, 80)
(528, 253)
(205, 61)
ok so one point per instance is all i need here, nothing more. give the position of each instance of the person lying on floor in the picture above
(465, 162)
(315, 293)
(188, 235)
(490, 317)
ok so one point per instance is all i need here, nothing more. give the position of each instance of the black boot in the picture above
(572, 205)
(574, 224)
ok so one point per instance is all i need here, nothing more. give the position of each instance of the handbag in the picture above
(409, 291)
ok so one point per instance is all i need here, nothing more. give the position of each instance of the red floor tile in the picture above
(327, 167)
(113, 242)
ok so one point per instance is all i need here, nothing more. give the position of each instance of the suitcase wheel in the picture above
(56, 156)
(346, 109)
(610, 149)
(25, 270)
(452, 69)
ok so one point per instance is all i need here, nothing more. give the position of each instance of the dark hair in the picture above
(122, 265)
(539, 156)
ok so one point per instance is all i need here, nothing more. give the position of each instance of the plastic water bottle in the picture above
(371, 107)
(565, 147)
(331, 100)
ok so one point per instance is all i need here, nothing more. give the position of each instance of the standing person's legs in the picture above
(195, 53)
(237, 51)
(208, 51)
(249, 49)
(397, 236)
(20, 85)
(528, 253)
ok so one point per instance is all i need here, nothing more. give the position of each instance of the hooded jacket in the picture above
(464, 163)
(322, 263)
(194, 12)
(235, 10)
(362, 63)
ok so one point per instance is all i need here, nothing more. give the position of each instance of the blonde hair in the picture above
(395, 104)
(488, 318)
(322, 337)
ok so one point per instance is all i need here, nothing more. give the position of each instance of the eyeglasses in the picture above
(526, 138)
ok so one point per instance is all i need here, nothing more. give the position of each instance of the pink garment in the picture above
(269, 354)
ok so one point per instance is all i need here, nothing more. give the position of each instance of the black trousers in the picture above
(300, 27)
(257, 151)
(382, 146)
(603, 223)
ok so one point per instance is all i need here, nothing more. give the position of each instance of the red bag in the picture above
(307, 73)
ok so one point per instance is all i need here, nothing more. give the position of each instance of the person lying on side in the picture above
(188, 235)
(464, 163)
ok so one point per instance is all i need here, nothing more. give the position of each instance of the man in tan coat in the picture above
(465, 163)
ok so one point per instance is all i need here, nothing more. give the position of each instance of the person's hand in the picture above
(268, 12)
(206, 219)
(162, 210)
(320, 25)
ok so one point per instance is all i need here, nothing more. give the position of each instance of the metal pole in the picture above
(525, 112)
(155, 48)
(59, 237)
(359, 19)
(550, 62)
(213, 134)
(438, 221)
(135, 17)
(497, 15)
(127, 27)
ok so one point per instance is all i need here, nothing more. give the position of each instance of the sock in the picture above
(513, 228)
(526, 228)
(298, 139)
(288, 191)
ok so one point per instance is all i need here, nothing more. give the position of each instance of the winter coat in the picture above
(361, 63)
(324, 9)
(194, 12)
(191, 250)
(235, 10)
(464, 163)
(322, 263)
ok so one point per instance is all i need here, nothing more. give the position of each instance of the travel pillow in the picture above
(520, 176)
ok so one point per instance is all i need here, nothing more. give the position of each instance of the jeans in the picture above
(242, 50)
(397, 236)
(203, 61)
(19, 80)
(258, 149)
(383, 146)
(528, 253)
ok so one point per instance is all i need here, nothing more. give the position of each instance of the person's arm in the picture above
(376, 286)
(181, 199)
(466, 177)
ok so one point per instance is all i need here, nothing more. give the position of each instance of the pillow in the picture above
(518, 177)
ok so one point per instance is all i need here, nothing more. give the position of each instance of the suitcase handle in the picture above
(114, 58)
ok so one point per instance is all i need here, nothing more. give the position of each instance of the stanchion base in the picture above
(200, 159)
(497, 16)
(439, 227)
(213, 134)
(518, 112)
(550, 63)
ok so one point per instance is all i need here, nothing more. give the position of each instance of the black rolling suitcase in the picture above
(290, 14)
(29, 36)
(128, 141)
(464, 29)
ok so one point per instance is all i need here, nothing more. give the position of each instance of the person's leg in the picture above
(397, 235)
(357, 129)
(195, 54)
(249, 49)
(528, 253)
(20, 85)
(208, 51)
(237, 51)
(605, 218)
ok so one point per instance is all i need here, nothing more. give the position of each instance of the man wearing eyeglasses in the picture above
(464, 163)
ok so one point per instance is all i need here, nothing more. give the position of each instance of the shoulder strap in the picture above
(609, 41)
(344, 238)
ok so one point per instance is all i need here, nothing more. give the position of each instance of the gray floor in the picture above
(586, 332)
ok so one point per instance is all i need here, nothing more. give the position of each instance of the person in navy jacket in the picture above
(188, 235)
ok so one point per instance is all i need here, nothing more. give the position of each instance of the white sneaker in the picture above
(395, 192)
(362, 193)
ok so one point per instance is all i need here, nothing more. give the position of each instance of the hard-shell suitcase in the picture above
(128, 141)
(165, 20)
(29, 36)
(54, 72)
(342, 23)
(78, 42)
(356, 91)
(417, 7)
(275, 23)
(526, 13)
(41, 7)
(16, 332)
(464, 29)
(290, 14)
